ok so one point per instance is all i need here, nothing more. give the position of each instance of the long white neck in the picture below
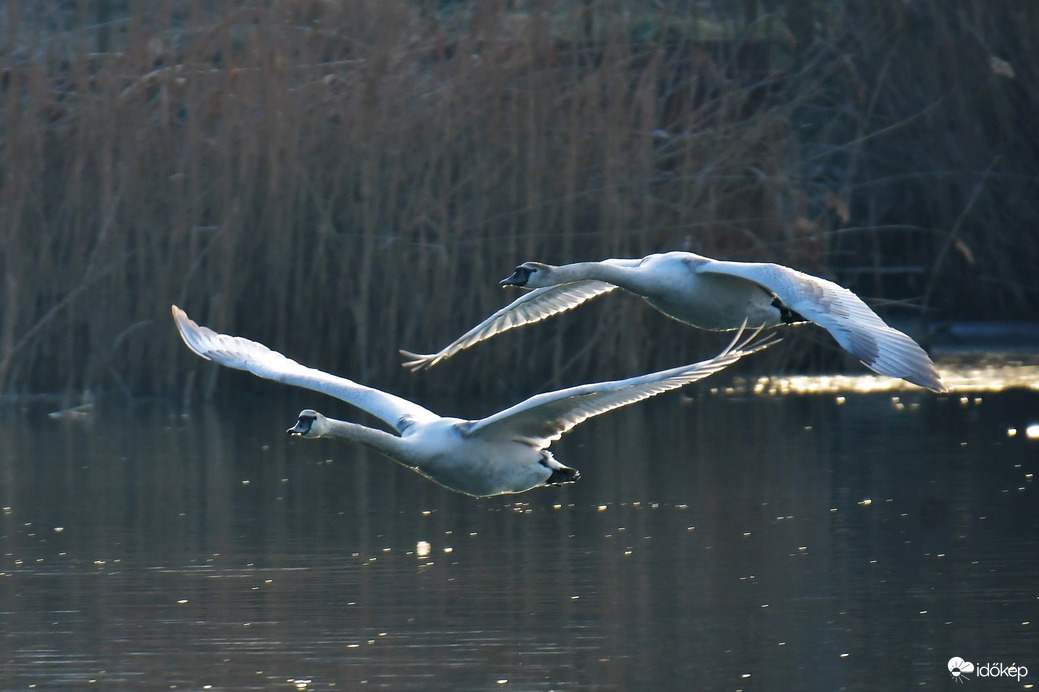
(611, 272)
(386, 443)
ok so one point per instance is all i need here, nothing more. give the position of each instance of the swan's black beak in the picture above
(302, 426)
(518, 278)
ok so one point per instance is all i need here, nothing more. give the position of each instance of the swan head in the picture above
(530, 275)
(310, 423)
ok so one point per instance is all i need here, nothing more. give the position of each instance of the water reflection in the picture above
(964, 373)
(715, 542)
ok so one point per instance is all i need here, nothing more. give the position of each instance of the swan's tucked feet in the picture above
(560, 474)
(786, 314)
(563, 475)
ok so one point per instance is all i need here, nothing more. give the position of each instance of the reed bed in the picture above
(339, 180)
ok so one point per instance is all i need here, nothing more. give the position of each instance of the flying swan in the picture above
(503, 453)
(709, 294)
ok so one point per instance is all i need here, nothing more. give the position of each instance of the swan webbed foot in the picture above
(786, 314)
(562, 476)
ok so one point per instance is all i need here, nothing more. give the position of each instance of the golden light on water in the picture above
(962, 376)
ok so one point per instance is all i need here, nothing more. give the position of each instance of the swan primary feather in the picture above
(503, 453)
(710, 294)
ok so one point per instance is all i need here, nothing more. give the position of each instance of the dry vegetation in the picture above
(340, 179)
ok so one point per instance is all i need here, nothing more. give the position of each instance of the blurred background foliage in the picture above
(342, 179)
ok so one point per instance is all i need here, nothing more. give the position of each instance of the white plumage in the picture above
(503, 453)
(710, 294)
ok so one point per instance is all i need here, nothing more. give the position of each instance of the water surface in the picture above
(717, 542)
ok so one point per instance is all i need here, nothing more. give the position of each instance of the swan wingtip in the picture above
(935, 384)
(418, 361)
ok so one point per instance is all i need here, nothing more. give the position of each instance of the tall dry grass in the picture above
(339, 180)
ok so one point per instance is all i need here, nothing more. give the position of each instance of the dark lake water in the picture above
(826, 541)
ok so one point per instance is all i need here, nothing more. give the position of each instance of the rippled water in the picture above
(718, 542)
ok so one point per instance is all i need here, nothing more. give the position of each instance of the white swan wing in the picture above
(242, 354)
(530, 307)
(545, 417)
(849, 320)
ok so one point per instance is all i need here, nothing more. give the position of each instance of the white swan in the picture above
(709, 294)
(503, 453)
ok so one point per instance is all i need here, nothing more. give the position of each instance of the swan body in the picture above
(503, 453)
(710, 294)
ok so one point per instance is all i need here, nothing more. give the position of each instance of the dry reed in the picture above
(339, 180)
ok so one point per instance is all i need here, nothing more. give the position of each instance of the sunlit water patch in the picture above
(962, 374)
